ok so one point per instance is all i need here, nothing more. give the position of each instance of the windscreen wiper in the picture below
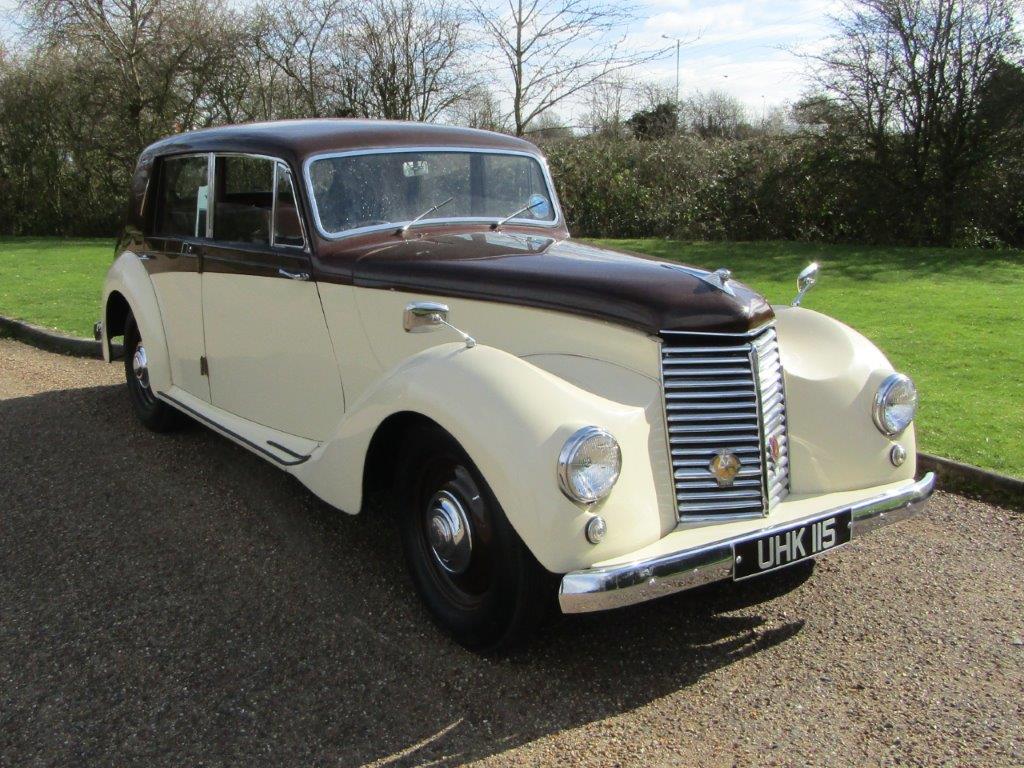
(405, 227)
(498, 224)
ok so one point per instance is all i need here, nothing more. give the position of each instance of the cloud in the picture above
(749, 48)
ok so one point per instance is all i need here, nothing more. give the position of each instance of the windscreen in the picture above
(366, 190)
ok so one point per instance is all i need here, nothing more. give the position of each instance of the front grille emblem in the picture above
(724, 466)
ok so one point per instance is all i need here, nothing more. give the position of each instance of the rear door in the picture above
(270, 357)
(174, 262)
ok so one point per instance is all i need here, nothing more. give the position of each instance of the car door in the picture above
(173, 260)
(270, 356)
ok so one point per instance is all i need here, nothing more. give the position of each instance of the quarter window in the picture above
(287, 227)
(183, 198)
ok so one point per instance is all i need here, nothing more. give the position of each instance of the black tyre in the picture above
(153, 413)
(472, 570)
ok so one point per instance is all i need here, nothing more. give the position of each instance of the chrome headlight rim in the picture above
(881, 404)
(568, 453)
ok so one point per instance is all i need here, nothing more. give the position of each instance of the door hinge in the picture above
(204, 368)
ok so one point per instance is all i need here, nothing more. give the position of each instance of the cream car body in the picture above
(298, 356)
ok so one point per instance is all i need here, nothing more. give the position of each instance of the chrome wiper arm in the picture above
(498, 224)
(405, 227)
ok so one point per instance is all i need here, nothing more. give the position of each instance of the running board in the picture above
(279, 447)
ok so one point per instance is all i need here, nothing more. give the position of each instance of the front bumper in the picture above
(601, 588)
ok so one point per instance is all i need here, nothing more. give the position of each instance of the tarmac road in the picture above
(174, 600)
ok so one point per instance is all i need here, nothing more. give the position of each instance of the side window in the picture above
(244, 199)
(183, 197)
(287, 228)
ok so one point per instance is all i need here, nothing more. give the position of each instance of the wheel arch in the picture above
(115, 315)
(511, 418)
(128, 288)
(379, 465)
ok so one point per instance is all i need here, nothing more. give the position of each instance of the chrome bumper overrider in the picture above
(598, 589)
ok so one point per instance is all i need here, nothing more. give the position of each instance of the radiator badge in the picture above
(774, 451)
(724, 466)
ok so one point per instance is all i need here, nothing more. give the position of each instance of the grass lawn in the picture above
(952, 319)
(53, 282)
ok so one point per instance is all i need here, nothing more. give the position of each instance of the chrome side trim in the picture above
(599, 589)
(299, 458)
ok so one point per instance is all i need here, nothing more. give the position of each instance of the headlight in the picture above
(589, 465)
(895, 404)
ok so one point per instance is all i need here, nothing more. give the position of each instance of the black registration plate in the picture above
(786, 546)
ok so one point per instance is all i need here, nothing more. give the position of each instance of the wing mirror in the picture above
(805, 281)
(423, 316)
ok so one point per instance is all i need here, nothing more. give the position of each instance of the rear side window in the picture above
(244, 199)
(183, 197)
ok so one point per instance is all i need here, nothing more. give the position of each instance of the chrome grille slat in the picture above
(719, 443)
(683, 362)
(710, 383)
(729, 397)
(746, 394)
(702, 474)
(720, 507)
(744, 348)
(710, 418)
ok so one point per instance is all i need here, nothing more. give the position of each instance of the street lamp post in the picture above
(679, 41)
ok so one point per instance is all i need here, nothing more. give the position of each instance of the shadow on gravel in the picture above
(172, 599)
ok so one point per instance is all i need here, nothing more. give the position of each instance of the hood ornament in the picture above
(719, 279)
(805, 281)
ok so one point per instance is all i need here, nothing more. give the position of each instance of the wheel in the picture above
(154, 414)
(469, 566)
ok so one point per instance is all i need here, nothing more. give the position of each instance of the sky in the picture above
(747, 48)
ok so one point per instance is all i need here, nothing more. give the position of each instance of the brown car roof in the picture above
(297, 139)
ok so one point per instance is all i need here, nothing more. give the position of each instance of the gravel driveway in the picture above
(174, 600)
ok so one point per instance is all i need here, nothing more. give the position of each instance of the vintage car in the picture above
(395, 310)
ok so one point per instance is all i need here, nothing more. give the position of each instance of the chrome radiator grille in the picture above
(724, 395)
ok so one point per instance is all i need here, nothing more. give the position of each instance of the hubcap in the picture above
(140, 366)
(448, 532)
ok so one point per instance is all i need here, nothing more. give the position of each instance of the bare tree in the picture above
(552, 50)
(148, 49)
(306, 41)
(715, 114)
(411, 54)
(607, 103)
(911, 74)
(479, 108)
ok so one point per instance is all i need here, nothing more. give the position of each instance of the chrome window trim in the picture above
(211, 192)
(273, 210)
(540, 159)
(278, 164)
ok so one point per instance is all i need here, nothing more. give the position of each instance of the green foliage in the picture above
(658, 122)
(812, 186)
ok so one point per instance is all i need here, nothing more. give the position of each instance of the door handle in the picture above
(293, 275)
(189, 249)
